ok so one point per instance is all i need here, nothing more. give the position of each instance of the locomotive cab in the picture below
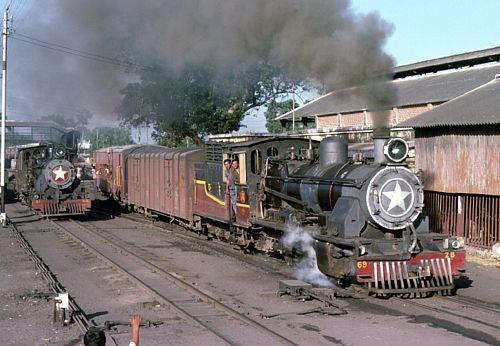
(253, 157)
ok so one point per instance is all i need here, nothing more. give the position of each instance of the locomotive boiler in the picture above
(49, 180)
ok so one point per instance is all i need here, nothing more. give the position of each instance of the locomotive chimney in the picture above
(333, 150)
(380, 136)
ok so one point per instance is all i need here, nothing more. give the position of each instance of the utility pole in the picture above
(5, 31)
(293, 107)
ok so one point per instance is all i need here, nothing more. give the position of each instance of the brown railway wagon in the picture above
(109, 169)
(162, 180)
(110, 166)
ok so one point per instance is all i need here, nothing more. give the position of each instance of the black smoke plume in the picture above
(322, 41)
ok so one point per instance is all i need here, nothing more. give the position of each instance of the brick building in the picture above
(418, 88)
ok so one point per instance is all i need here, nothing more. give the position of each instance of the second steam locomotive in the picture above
(48, 180)
(365, 216)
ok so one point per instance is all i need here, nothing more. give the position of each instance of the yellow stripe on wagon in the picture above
(212, 197)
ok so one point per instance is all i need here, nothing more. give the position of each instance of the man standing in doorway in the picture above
(236, 171)
(230, 187)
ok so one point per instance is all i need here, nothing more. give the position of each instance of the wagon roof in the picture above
(265, 140)
(158, 149)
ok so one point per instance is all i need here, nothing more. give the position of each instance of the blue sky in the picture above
(429, 29)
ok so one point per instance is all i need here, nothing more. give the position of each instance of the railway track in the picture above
(448, 311)
(463, 311)
(474, 303)
(77, 313)
(229, 325)
(268, 265)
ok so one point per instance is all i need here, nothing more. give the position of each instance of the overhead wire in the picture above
(56, 107)
(27, 12)
(76, 52)
(15, 7)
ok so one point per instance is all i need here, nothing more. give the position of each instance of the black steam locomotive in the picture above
(362, 214)
(366, 218)
(48, 179)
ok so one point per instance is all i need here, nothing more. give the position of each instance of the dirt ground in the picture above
(27, 320)
(26, 316)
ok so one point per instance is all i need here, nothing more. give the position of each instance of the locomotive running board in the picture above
(393, 277)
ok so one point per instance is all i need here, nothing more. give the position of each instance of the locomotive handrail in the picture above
(349, 182)
(285, 197)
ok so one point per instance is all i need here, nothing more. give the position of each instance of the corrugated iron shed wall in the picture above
(459, 159)
(474, 217)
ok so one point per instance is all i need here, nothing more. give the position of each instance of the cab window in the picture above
(241, 157)
(256, 161)
(272, 151)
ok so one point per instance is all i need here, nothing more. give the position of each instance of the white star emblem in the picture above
(60, 173)
(397, 197)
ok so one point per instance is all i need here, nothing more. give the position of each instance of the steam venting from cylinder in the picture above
(333, 151)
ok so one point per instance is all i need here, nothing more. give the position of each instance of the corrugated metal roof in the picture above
(417, 90)
(447, 62)
(480, 106)
(264, 140)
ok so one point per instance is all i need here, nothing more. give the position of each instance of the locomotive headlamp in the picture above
(396, 149)
(454, 243)
(458, 242)
(59, 152)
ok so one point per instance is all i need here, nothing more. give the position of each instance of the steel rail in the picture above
(77, 312)
(448, 312)
(138, 281)
(471, 302)
(458, 300)
(172, 278)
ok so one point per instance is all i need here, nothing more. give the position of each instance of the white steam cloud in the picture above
(307, 268)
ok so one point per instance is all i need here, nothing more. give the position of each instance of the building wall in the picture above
(406, 113)
(367, 119)
(474, 217)
(461, 175)
(459, 160)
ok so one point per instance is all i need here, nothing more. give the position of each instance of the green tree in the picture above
(274, 109)
(197, 101)
(101, 137)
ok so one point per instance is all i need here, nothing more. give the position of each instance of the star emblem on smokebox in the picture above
(60, 174)
(394, 197)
